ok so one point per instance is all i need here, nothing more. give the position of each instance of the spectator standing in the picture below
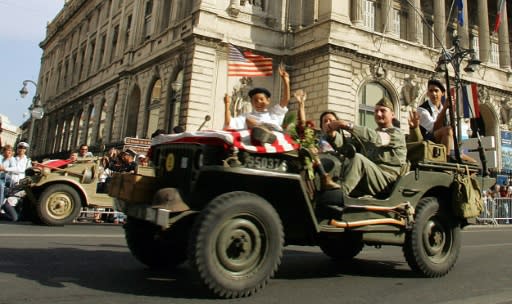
(7, 167)
(23, 162)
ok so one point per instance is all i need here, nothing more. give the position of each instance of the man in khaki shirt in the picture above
(386, 153)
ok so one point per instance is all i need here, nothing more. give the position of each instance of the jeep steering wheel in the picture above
(355, 145)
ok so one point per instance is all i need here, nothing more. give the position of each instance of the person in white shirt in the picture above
(432, 114)
(23, 162)
(263, 116)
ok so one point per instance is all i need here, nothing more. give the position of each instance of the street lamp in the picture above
(36, 109)
(454, 56)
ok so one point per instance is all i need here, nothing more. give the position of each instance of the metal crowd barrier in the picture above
(101, 215)
(496, 211)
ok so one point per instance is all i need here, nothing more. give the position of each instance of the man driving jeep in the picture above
(385, 154)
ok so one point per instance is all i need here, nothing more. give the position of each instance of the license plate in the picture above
(259, 162)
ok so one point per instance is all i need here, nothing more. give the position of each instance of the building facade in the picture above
(9, 133)
(117, 68)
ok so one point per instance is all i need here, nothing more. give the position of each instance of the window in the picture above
(396, 22)
(166, 15)
(369, 95)
(128, 30)
(475, 45)
(115, 38)
(146, 32)
(369, 14)
(495, 57)
(103, 43)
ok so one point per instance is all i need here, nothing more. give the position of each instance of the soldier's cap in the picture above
(23, 145)
(385, 102)
(130, 152)
(259, 90)
(436, 83)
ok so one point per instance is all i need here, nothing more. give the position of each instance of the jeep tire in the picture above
(341, 246)
(237, 244)
(58, 205)
(432, 246)
(156, 248)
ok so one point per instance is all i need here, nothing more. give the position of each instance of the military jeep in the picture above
(230, 207)
(56, 191)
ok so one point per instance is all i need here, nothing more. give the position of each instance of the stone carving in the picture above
(410, 91)
(505, 111)
(240, 97)
(257, 3)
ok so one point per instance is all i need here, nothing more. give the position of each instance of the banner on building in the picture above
(506, 149)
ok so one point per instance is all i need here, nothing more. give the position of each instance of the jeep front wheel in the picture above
(58, 205)
(237, 244)
(432, 246)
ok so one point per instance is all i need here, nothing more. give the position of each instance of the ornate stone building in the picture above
(117, 68)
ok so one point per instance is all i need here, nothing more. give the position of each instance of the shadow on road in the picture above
(118, 272)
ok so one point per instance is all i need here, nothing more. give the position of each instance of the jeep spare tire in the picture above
(237, 244)
(58, 205)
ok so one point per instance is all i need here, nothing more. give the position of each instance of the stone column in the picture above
(484, 41)
(414, 25)
(504, 43)
(440, 23)
(387, 16)
(357, 12)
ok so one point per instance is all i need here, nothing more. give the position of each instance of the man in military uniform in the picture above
(386, 153)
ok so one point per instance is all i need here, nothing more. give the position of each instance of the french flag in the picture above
(470, 106)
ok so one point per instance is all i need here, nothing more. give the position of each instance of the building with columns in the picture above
(124, 68)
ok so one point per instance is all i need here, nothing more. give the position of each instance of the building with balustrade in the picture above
(123, 68)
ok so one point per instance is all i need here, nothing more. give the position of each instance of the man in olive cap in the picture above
(385, 155)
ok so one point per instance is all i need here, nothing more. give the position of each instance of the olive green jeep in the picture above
(230, 208)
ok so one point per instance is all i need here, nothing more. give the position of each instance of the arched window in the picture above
(175, 101)
(132, 117)
(100, 136)
(369, 94)
(90, 124)
(153, 108)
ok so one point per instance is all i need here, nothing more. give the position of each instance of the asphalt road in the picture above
(91, 264)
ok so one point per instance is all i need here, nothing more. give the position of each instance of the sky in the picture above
(22, 28)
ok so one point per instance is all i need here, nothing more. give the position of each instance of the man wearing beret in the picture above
(262, 113)
(386, 153)
(432, 116)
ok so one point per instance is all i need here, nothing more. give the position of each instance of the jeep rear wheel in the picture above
(432, 246)
(156, 248)
(237, 244)
(58, 205)
(341, 246)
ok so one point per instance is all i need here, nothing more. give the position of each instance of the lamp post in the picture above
(36, 109)
(454, 56)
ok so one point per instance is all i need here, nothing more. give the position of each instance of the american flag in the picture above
(247, 64)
